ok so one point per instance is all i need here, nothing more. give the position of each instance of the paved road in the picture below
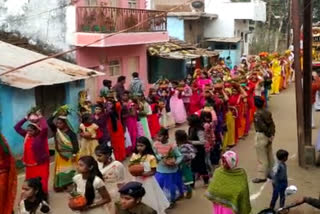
(307, 180)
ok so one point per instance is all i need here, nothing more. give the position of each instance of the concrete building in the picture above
(60, 25)
(231, 32)
(222, 25)
(47, 84)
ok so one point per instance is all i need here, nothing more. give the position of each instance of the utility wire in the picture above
(94, 42)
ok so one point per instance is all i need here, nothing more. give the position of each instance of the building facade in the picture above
(232, 31)
(61, 25)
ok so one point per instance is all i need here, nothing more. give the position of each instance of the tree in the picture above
(271, 35)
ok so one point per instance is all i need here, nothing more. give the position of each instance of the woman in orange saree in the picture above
(8, 178)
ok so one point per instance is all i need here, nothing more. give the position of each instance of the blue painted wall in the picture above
(15, 103)
(176, 27)
(235, 55)
(72, 91)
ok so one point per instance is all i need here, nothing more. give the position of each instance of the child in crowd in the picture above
(167, 174)
(33, 198)
(197, 138)
(144, 112)
(89, 135)
(154, 197)
(279, 179)
(113, 172)
(189, 153)
(208, 126)
(186, 94)
(131, 200)
(153, 119)
(89, 183)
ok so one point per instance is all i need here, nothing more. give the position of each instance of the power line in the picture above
(94, 42)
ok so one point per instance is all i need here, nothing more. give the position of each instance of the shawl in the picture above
(230, 188)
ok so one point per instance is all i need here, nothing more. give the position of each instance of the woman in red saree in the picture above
(8, 178)
(36, 149)
(252, 84)
(116, 129)
(195, 100)
(153, 119)
(236, 101)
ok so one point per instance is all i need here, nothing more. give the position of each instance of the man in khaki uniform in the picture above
(265, 130)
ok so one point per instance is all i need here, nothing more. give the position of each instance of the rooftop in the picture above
(224, 39)
(192, 15)
(48, 72)
(177, 49)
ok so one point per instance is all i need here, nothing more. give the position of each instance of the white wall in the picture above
(254, 10)
(230, 19)
(228, 12)
(221, 27)
(43, 22)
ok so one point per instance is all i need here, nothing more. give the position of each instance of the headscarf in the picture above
(229, 187)
(231, 159)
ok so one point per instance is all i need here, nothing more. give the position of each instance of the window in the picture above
(132, 3)
(115, 67)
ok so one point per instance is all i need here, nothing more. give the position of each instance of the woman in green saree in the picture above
(67, 147)
(228, 189)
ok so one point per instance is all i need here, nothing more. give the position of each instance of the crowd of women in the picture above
(217, 103)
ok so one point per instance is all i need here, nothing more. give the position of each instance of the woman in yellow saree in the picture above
(67, 147)
(8, 178)
(276, 78)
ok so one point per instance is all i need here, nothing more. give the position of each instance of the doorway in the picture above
(49, 98)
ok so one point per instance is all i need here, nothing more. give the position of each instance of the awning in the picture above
(224, 39)
(48, 72)
(192, 15)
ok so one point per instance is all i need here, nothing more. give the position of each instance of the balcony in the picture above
(94, 23)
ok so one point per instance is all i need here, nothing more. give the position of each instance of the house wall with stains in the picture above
(49, 24)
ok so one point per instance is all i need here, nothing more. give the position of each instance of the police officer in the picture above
(130, 200)
(265, 130)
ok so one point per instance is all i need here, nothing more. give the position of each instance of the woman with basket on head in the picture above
(67, 148)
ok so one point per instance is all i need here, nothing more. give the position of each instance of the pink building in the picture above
(118, 53)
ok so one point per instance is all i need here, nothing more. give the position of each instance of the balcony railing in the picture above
(112, 19)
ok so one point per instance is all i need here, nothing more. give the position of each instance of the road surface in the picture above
(307, 180)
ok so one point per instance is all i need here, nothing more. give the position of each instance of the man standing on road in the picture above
(265, 130)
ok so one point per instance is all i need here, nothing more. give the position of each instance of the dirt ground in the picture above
(307, 180)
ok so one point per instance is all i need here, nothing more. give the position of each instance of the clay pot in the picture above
(136, 170)
(77, 202)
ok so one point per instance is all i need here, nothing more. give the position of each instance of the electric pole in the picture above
(298, 80)
(307, 80)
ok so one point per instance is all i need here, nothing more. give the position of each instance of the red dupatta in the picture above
(8, 178)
